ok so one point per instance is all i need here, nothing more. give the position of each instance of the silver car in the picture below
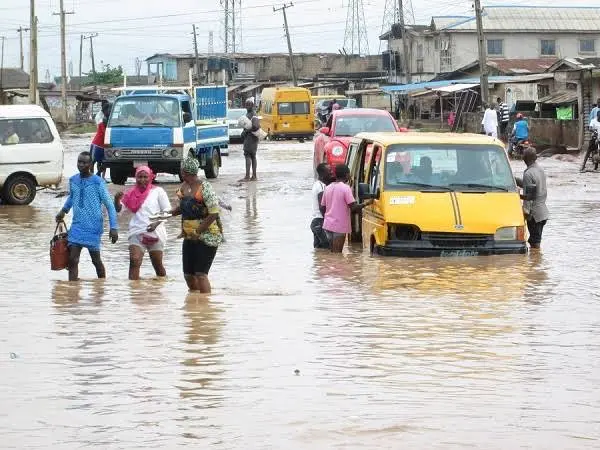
(235, 131)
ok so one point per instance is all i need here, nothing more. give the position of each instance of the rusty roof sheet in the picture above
(521, 66)
(560, 98)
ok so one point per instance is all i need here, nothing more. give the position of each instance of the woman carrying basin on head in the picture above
(199, 210)
(145, 200)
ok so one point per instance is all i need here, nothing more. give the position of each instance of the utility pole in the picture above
(63, 58)
(91, 38)
(405, 51)
(289, 42)
(485, 90)
(2, 72)
(33, 68)
(196, 54)
(20, 31)
(80, 54)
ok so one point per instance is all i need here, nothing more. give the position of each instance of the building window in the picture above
(420, 66)
(495, 47)
(548, 47)
(587, 46)
(445, 61)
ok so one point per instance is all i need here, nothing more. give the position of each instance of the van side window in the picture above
(352, 155)
(22, 131)
(185, 107)
(374, 166)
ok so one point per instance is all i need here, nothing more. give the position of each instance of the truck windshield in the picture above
(461, 168)
(147, 111)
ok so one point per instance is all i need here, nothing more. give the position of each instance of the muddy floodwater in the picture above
(297, 349)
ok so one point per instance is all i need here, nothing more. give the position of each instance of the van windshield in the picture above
(146, 111)
(461, 168)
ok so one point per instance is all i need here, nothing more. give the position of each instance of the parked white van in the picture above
(31, 153)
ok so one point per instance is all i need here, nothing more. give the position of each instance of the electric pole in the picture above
(2, 72)
(289, 42)
(485, 90)
(20, 31)
(80, 53)
(91, 37)
(33, 68)
(63, 58)
(196, 54)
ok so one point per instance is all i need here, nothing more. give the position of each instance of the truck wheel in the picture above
(19, 190)
(118, 176)
(212, 165)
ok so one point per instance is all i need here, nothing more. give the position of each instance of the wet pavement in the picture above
(300, 349)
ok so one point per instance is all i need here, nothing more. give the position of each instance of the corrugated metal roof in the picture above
(406, 88)
(529, 18)
(14, 78)
(560, 97)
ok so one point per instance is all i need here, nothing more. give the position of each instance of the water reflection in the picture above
(202, 366)
(23, 216)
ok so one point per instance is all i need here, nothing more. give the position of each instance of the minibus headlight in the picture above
(509, 234)
(109, 153)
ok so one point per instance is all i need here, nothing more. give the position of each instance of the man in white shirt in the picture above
(490, 121)
(324, 178)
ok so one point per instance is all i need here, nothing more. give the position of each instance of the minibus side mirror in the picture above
(187, 117)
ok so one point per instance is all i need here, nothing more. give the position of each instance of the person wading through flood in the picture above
(534, 196)
(324, 178)
(87, 194)
(199, 209)
(97, 146)
(339, 203)
(145, 200)
(250, 141)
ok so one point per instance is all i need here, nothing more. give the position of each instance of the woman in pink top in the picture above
(339, 202)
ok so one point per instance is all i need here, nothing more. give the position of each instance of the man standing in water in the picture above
(339, 203)
(534, 197)
(250, 141)
(87, 194)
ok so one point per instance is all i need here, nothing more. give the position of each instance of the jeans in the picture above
(319, 237)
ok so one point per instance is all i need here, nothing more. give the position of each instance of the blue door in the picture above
(211, 102)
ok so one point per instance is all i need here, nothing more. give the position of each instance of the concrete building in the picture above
(273, 67)
(449, 43)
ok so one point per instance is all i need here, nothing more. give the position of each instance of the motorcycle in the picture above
(322, 118)
(593, 152)
(518, 147)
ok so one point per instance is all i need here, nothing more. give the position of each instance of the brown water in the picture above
(487, 352)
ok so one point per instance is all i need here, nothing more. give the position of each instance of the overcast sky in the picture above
(130, 29)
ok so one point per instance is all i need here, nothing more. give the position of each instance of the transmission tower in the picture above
(391, 15)
(232, 25)
(355, 37)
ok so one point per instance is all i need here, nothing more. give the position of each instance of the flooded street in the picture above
(487, 352)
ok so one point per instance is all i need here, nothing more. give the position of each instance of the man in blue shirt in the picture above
(520, 132)
(595, 109)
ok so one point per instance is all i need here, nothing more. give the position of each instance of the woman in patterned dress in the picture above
(199, 210)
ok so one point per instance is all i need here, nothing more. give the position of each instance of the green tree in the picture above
(108, 76)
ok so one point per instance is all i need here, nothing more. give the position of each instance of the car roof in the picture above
(390, 138)
(22, 111)
(361, 112)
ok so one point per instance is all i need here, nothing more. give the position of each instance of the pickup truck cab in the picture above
(159, 127)
(31, 153)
